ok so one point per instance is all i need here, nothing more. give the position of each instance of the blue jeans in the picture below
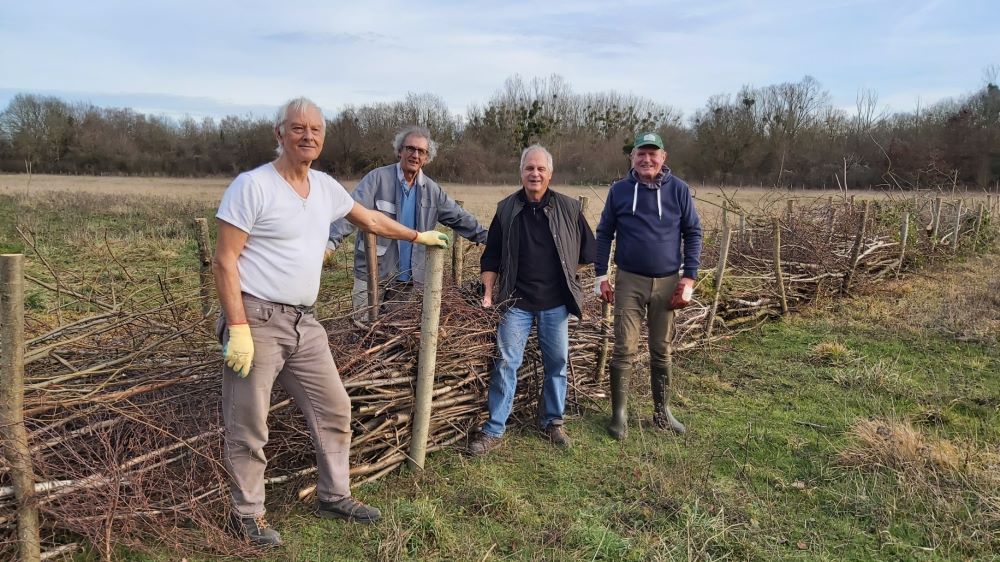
(512, 335)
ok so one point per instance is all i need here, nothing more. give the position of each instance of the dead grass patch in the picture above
(831, 353)
(963, 302)
(879, 376)
(956, 484)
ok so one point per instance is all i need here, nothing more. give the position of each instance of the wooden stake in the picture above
(720, 270)
(205, 260)
(14, 440)
(457, 254)
(779, 278)
(427, 361)
(602, 351)
(958, 226)
(936, 222)
(904, 234)
(856, 250)
(371, 261)
(979, 226)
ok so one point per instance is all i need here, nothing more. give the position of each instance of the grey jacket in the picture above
(379, 190)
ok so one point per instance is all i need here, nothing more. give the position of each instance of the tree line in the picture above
(787, 135)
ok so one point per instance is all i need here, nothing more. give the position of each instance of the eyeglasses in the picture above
(414, 150)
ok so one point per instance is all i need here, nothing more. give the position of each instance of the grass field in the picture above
(479, 199)
(865, 429)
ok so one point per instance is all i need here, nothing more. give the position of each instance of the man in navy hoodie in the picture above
(652, 214)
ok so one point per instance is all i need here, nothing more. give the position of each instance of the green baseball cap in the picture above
(648, 139)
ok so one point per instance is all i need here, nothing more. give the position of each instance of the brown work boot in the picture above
(482, 444)
(347, 508)
(253, 529)
(557, 435)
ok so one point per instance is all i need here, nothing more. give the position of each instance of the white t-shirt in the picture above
(283, 256)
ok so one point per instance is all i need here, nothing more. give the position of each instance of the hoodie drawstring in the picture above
(635, 198)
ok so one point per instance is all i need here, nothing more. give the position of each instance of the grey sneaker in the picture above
(254, 530)
(557, 435)
(347, 508)
(482, 444)
(667, 422)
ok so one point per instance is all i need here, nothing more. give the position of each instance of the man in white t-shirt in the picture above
(273, 225)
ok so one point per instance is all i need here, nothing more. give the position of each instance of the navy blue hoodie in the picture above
(651, 221)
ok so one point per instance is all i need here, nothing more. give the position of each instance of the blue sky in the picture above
(237, 57)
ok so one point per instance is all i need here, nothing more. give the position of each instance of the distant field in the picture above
(479, 199)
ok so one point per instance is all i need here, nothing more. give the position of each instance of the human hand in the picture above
(433, 238)
(682, 293)
(603, 289)
(238, 351)
(487, 301)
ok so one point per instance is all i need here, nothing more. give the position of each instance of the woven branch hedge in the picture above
(122, 404)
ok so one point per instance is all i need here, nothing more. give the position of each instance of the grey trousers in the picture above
(637, 296)
(290, 347)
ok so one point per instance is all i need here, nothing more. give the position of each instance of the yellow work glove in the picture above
(238, 351)
(433, 238)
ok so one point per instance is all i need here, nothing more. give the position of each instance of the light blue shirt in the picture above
(408, 217)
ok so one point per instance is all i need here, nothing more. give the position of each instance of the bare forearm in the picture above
(227, 285)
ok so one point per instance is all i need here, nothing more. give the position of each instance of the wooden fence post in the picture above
(430, 319)
(205, 261)
(904, 234)
(935, 221)
(779, 278)
(979, 226)
(14, 440)
(958, 226)
(743, 230)
(457, 254)
(602, 351)
(720, 270)
(371, 261)
(856, 250)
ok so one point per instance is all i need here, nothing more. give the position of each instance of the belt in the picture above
(300, 308)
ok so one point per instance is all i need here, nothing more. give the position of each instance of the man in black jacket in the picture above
(537, 241)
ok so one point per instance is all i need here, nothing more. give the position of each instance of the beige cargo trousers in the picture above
(290, 347)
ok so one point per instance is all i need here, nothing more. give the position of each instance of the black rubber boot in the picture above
(659, 384)
(618, 427)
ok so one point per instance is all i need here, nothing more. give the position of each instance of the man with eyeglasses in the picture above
(404, 193)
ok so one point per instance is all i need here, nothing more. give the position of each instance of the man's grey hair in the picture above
(291, 107)
(416, 130)
(536, 148)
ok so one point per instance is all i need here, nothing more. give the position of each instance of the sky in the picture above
(215, 58)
